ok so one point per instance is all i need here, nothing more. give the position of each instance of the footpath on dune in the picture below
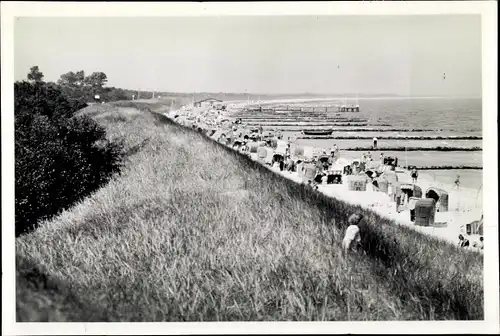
(193, 231)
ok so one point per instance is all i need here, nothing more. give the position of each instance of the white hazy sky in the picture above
(403, 55)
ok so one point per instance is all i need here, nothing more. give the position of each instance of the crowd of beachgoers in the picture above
(391, 191)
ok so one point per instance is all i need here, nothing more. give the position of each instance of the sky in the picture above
(428, 55)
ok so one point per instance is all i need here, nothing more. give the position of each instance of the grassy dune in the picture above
(192, 231)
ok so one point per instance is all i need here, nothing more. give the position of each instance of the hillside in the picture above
(192, 231)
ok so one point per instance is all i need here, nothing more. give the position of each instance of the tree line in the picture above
(83, 88)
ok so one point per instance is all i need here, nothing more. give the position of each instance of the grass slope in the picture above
(192, 231)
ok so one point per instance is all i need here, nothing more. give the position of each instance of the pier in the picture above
(348, 108)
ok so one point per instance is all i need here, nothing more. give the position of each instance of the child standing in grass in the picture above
(352, 234)
(462, 241)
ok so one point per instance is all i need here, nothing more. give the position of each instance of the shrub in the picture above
(60, 158)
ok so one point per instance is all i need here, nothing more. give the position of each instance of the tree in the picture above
(80, 78)
(69, 79)
(35, 75)
(95, 83)
(71, 84)
(96, 80)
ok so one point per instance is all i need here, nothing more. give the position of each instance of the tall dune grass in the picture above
(193, 231)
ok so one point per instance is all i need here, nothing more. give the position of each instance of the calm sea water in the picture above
(453, 114)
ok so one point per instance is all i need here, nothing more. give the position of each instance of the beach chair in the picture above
(252, 147)
(383, 184)
(309, 172)
(356, 183)
(440, 196)
(475, 228)
(425, 210)
(411, 190)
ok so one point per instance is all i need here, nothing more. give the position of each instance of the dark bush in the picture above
(59, 158)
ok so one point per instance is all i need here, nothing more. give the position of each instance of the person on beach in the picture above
(457, 182)
(375, 140)
(414, 174)
(411, 205)
(390, 191)
(462, 241)
(381, 159)
(290, 165)
(397, 195)
(334, 150)
(326, 165)
(352, 236)
(375, 186)
(245, 146)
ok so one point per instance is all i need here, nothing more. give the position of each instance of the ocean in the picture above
(459, 115)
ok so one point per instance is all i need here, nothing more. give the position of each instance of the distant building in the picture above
(208, 102)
